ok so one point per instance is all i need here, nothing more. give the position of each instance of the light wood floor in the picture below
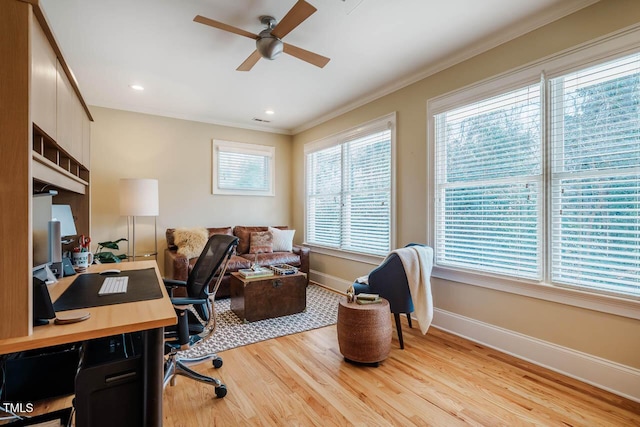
(438, 380)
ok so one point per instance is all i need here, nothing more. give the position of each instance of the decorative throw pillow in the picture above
(261, 242)
(190, 241)
(282, 239)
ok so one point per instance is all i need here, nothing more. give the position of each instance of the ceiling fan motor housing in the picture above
(269, 46)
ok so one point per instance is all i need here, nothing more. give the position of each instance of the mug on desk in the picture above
(82, 259)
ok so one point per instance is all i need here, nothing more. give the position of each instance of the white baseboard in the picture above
(605, 374)
(329, 281)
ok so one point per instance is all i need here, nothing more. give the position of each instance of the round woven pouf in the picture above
(364, 331)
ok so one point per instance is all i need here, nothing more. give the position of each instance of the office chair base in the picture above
(175, 367)
(216, 360)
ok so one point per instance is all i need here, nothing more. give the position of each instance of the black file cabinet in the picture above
(110, 384)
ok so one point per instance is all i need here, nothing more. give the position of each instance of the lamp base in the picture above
(131, 238)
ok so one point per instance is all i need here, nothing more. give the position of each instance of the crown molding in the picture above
(553, 14)
(193, 118)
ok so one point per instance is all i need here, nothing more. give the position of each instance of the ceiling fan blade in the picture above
(298, 13)
(248, 63)
(305, 55)
(222, 26)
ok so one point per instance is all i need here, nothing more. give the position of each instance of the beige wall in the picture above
(611, 337)
(178, 154)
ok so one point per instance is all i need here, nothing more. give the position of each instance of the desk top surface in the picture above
(104, 321)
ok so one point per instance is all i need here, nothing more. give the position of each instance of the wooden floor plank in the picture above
(439, 379)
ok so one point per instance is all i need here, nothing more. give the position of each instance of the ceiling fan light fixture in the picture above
(270, 47)
(269, 43)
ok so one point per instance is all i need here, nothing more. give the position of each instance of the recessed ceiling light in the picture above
(269, 112)
(136, 87)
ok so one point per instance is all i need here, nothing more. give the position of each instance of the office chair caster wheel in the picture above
(221, 391)
(217, 362)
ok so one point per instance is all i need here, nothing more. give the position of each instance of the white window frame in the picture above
(268, 152)
(616, 45)
(388, 120)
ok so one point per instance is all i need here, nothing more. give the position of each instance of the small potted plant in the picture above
(106, 257)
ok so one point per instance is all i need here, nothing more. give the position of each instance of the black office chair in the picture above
(196, 316)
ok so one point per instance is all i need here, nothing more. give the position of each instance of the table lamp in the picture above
(139, 197)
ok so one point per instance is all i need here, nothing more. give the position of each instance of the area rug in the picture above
(231, 332)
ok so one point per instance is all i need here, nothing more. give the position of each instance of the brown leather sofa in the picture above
(177, 266)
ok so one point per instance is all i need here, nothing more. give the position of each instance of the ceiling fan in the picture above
(269, 42)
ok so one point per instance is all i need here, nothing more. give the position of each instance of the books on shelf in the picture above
(249, 273)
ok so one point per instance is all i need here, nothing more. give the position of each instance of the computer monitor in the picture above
(63, 214)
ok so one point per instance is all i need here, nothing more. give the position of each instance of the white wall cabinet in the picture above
(86, 141)
(44, 78)
(76, 128)
(65, 111)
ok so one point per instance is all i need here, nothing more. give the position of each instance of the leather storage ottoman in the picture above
(267, 297)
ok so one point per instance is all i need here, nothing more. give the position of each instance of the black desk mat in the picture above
(83, 292)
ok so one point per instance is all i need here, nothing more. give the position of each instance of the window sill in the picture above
(351, 256)
(577, 298)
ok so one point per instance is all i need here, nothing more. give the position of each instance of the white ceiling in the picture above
(188, 69)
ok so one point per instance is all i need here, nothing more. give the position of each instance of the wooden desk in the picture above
(150, 316)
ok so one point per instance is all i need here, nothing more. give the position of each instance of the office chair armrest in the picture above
(174, 283)
(188, 301)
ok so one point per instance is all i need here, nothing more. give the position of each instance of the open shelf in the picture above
(48, 152)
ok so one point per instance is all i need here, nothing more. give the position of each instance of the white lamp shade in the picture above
(139, 197)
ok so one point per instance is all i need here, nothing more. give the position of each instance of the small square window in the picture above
(242, 169)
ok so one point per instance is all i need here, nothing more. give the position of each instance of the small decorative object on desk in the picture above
(368, 298)
(248, 273)
(283, 269)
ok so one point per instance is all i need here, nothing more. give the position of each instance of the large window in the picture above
(349, 189)
(541, 182)
(488, 185)
(242, 169)
(595, 137)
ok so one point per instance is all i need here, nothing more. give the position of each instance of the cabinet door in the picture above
(65, 111)
(76, 130)
(86, 141)
(43, 79)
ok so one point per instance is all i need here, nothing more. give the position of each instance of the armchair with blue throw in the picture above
(389, 280)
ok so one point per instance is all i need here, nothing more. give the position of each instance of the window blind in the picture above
(595, 129)
(324, 196)
(243, 171)
(489, 185)
(242, 168)
(349, 192)
(366, 217)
